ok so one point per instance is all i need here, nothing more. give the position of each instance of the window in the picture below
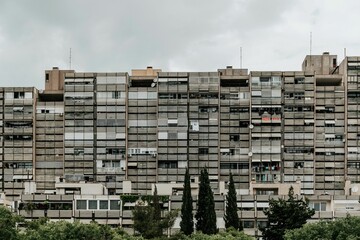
(244, 124)
(93, 204)
(81, 204)
(299, 80)
(203, 150)
(116, 95)
(234, 137)
(104, 204)
(298, 165)
(194, 125)
(244, 166)
(45, 111)
(318, 206)
(172, 135)
(249, 224)
(46, 77)
(78, 151)
(168, 164)
(207, 109)
(238, 109)
(115, 151)
(114, 205)
(19, 95)
(262, 224)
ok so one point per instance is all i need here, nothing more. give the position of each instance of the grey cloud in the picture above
(184, 35)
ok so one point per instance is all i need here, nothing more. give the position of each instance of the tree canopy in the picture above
(284, 215)
(341, 229)
(147, 218)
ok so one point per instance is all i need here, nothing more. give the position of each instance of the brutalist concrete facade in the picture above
(131, 131)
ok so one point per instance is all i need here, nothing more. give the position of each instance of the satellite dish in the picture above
(250, 154)
(153, 84)
(251, 126)
(354, 189)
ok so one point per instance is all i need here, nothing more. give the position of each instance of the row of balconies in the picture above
(234, 116)
(41, 129)
(18, 157)
(48, 144)
(329, 101)
(110, 101)
(353, 143)
(79, 102)
(301, 171)
(28, 116)
(78, 163)
(299, 115)
(329, 186)
(148, 130)
(266, 129)
(49, 117)
(142, 103)
(79, 88)
(297, 87)
(331, 174)
(173, 88)
(265, 101)
(299, 102)
(18, 102)
(298, 157)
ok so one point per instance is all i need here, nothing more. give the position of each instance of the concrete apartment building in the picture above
(129, 132)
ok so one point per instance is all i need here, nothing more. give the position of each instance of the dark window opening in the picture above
(19, 95)
(168, 164)
(243, 124)
(203, 151)
(234, 137)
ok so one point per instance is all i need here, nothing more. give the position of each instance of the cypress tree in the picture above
(205, 215)
(156, 205)
(187, 221)
(157, 213)
(231, 217)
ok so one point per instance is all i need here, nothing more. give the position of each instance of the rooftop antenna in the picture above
(310, 42)
(310, 47)
(240, 57)
(70, 60)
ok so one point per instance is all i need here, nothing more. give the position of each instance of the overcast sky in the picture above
(188, 35)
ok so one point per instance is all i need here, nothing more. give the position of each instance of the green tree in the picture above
(8, 222)
(231, 217)
(285, 215)
(341, 229)
(43, 230)
(229, 234)
(187, 221)
(147, 221)
(205, 214)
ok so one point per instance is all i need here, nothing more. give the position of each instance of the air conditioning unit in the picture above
(130, 155)
(123, 168)
(61, 114)
(154, 155)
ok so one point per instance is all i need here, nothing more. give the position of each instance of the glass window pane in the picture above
(104, 204)
(323, 206)
(81, 204)
(114, 205)
(92, 204)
